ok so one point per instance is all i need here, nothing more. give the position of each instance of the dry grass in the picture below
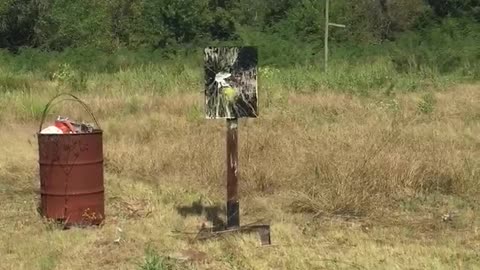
(346, 182)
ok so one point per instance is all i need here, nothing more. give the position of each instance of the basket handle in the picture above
(73, 98)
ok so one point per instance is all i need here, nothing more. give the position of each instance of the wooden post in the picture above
(327, 25)
(326, 33)
(233, 208)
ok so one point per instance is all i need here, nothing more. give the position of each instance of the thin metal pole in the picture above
(233, 208)
(326, 33)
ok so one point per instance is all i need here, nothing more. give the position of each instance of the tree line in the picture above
(55, 25)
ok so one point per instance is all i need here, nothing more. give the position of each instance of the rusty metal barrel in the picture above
(71, 173)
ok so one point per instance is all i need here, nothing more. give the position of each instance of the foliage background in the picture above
(288, 28)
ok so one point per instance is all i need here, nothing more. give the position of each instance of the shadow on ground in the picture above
(212, 213)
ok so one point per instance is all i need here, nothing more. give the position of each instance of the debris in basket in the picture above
(63, 125)
(52, 130)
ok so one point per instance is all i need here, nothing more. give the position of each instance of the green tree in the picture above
(124, 16)
(171, 22)
(78, 23)
(456, 8)
(17, 23)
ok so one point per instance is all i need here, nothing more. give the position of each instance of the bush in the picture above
(450, 47)
(427, 104)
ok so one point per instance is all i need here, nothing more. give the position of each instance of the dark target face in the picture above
(230, 82)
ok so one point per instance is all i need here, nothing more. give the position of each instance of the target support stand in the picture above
(233, 205)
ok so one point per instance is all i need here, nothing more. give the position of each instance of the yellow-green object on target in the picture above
(230, 94)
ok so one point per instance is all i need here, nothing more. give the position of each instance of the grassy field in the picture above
(358, 169)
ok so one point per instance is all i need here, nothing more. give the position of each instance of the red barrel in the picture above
(71, 175)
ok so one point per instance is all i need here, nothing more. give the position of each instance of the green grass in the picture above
(48, 262)
(11, 82)
(427, 104)
(361, 79)
(153, 261)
